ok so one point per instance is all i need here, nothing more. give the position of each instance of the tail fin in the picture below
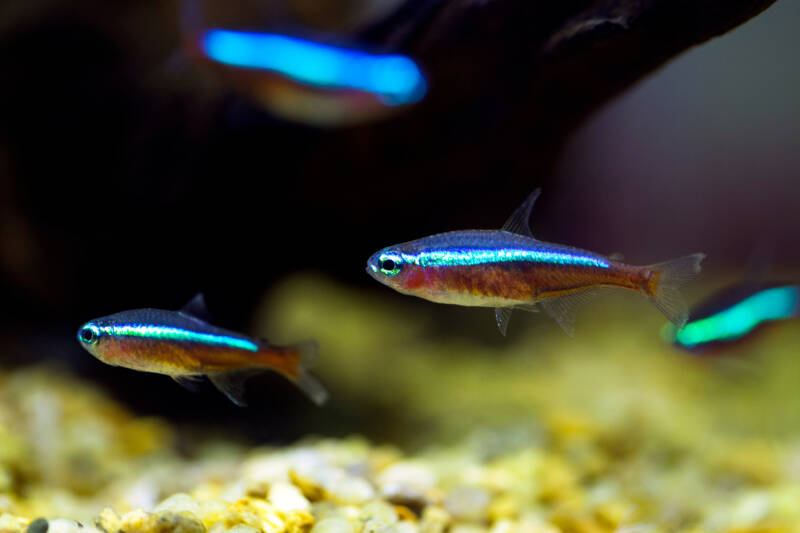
(307, 383)
(671, 275)
(231, 383)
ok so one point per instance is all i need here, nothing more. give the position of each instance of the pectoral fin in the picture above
(502, 315)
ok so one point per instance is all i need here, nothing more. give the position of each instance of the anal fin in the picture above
(191, 382)
(231, 384)
(562, 309)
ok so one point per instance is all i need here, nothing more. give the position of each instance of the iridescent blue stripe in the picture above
(395, 79)
(738, 320)
(480, 256)
(169, 333)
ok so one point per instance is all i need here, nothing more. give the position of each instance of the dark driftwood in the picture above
(538, 68)
(93, 142)
(120, 188)
(509, 81)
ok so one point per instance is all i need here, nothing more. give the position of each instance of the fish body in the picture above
(487, 268)
(509, 268)
(734, 314)
(185, 347)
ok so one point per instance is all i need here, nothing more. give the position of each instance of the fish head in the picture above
(395, 267)
(98, 338)
(94, 338)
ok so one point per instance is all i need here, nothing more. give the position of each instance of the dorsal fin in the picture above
(196, 307)
(519, 221)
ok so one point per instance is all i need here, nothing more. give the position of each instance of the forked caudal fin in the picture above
(671, 275)
(231, 384)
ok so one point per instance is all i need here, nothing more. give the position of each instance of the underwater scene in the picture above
(399, 266)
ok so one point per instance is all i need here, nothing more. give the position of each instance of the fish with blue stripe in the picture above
(510, 269)
(185, 346)
(311, 81)
(734, 314)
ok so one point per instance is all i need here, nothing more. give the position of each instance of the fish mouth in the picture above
(372, 266)
(372, 271)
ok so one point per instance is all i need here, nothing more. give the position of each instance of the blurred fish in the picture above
(310, 81)
(312, 63)
(183, 345)
(510, 269)
(303, 79)
(733, 314)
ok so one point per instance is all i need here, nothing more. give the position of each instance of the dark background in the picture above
(129, 178)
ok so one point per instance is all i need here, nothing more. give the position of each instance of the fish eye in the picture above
(89, 334)
(390, 265)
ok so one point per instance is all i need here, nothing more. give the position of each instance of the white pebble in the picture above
(64, 525)
(333, 525)
(287, 498)
(379, 511)
(750, 508)
(207, 508)
(405, 527)
(434, 520)
(178, 503)
(467, 503)
(467, 528)
(350, 489)
(306, 462)
(503, 526)
(234, 491)
(142, 494)
(406, 481)
(10, 523)
(218, 527)
(243, 528)
(265, 470)
(374, 526)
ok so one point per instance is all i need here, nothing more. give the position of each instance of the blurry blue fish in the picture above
(393, 79)
(311, 81)
(734, 314)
